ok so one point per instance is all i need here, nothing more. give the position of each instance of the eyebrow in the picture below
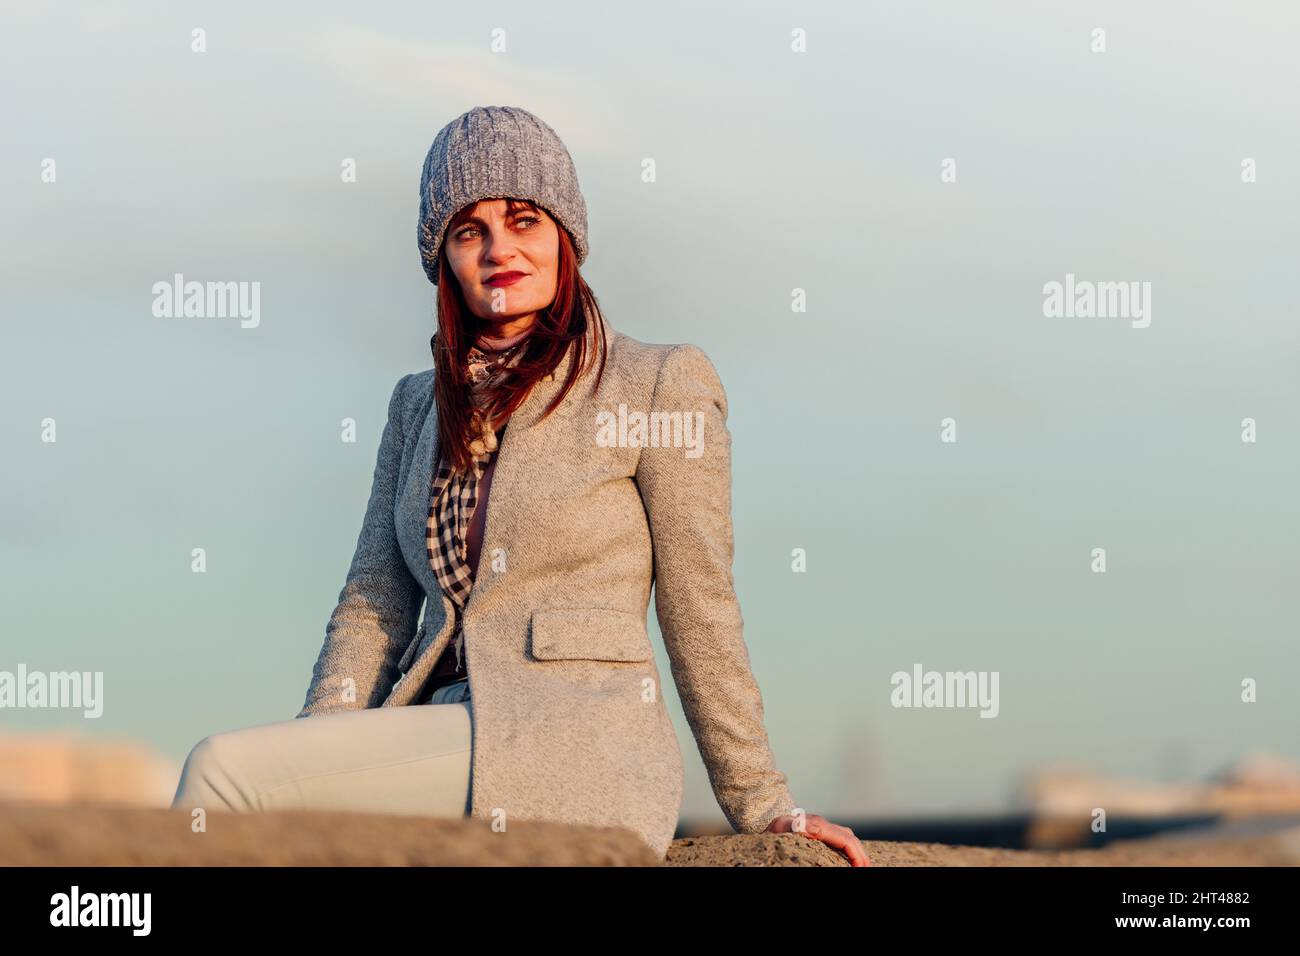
(469, 220)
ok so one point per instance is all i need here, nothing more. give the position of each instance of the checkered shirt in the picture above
(452, 500)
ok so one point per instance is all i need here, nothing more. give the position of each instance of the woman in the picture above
(575, 467)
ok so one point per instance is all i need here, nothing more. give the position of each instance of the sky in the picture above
(829, 171)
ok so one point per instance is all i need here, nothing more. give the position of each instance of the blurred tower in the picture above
(859, 787)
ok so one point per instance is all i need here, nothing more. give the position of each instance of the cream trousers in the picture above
(409, 760)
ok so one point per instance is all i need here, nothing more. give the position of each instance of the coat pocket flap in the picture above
(589, 633)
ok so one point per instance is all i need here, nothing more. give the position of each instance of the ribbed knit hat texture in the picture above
(491, 152)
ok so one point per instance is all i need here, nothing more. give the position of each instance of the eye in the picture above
(465, 233)
(533, 219)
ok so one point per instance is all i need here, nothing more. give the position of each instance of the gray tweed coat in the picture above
(569, 719)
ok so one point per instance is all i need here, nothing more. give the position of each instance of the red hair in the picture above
(562, 323)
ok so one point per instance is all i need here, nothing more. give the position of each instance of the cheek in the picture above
(462, 266)
(545, 251)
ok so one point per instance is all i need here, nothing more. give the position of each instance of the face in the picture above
(506, 263)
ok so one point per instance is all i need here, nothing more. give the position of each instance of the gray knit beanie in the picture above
(492, 152)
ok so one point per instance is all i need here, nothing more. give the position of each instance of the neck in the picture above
(507, 329)
(492, 345)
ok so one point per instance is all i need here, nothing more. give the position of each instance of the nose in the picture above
(500, 245)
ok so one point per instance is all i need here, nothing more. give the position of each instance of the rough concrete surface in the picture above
(95, 835)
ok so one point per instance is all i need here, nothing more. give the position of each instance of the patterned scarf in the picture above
(454, 495)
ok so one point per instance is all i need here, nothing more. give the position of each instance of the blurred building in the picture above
(62, 767)
(1062, 802)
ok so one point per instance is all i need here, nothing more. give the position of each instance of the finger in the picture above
(857, 853)
(853, 848)
(839, 838)
(817, 827)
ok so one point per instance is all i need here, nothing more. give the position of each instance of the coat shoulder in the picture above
(418, 383)
(415, 390)
(647, 362)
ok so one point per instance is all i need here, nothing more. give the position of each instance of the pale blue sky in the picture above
(775, 171)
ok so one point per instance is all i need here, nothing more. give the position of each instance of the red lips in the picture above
(505, 278)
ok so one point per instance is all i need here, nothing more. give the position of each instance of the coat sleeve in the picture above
(688, 503)
(377, 610)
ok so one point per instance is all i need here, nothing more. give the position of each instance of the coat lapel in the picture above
(413, 512)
